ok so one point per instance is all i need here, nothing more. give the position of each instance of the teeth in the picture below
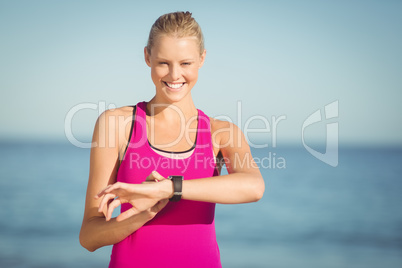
(174, 85)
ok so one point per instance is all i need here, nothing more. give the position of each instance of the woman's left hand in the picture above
(140, 196)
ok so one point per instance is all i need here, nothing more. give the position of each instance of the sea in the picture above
(312, 214)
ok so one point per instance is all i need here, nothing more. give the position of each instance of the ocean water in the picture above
(312, 214)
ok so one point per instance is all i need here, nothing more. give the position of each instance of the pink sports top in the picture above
(182, 234)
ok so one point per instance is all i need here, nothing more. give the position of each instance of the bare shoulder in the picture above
(124, 111)
(217, 125)
(113, 127)
(225, 133)
(115, 118)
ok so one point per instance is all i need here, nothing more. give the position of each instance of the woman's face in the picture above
(174, 66)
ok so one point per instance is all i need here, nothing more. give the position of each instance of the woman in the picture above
(160, 160)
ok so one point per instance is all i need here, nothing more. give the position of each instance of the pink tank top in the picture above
(183, 233)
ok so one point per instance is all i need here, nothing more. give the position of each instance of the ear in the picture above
(146, 56)
(202, 58)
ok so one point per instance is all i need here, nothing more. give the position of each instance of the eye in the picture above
(186, 63)
(163, 62)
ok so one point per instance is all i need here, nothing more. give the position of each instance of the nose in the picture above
(174, 72)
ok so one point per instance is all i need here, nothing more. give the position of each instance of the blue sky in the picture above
(272, 58)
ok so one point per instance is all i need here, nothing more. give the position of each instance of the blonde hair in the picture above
(176, 24)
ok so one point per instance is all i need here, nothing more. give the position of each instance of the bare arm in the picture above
(243, 184)
(95, 230)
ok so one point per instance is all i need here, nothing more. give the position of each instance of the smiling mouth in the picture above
(174, 86)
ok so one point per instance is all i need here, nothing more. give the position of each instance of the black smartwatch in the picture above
(177, 187)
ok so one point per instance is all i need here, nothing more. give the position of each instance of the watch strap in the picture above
(177, 187)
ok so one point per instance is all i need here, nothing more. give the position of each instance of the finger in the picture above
(150, 177)
(115, 186)
(160, 205)
(155, 176)
(111, 188)
(105, 200)
(114, 204)
(102, 192)
(127, 214)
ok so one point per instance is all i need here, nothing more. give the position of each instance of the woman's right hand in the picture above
(142, 197)
(156, 208)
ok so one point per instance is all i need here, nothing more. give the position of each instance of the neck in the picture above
(172, 110)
